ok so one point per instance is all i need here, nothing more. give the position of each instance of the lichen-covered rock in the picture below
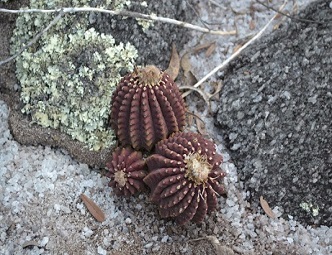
(153, 40)
(68, 76)
(147, 107)
(126, 171)
(185, 177)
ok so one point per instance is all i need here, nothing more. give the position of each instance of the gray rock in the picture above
(276, 116)
(153, 44)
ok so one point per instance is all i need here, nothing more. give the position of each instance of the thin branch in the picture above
(196, 116)
(204, 95)
(233, 56)
(197, 14)
(34, 40)
(204, 22)
(126, 14)
(289, 16)
(216, 4)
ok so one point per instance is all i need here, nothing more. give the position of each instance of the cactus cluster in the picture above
(181, 168)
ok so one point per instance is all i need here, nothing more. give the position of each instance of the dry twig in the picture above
(204, 95)
(289, 16)
(34, 40)
(126, 14)
(233, 56)
(62, 11)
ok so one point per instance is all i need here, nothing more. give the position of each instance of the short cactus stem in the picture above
(184, 177)
(126, 171)
(146, 107)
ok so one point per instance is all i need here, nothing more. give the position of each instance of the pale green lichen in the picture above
(310, 208)
(68, 77)
(145, 23)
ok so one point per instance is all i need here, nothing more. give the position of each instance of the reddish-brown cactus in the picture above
(185, 177)
(147, 107)
(126, 170)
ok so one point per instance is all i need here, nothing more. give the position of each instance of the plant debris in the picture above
(174, 63)
(185, 62)
(30, 244)
(93, 208)
(201, 47)
(266, 208)
(237, 47)
(201, 126)
(218, 248)
(211, 49)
